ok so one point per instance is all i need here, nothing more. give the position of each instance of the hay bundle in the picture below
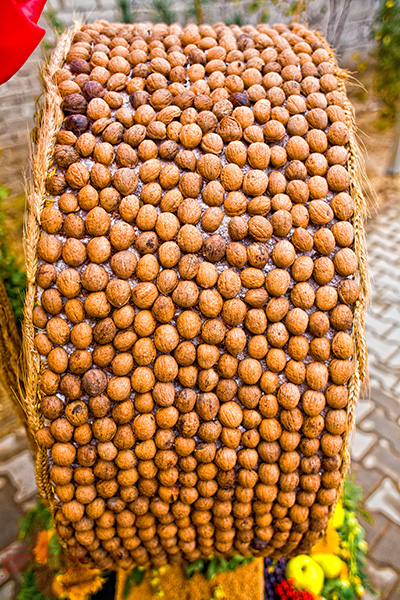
(194, 326)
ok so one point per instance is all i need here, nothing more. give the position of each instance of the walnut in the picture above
(230, 414)
(348, 291)
(345, 262)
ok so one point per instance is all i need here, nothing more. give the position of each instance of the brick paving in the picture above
(376, 443)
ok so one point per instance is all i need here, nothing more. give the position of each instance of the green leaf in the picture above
(254, 6)
(138, 574)
(135, 576)
(55, 547)
(264, 17)
(217, 564)
(28, 589)
(237, 561)
(197, 566)
(35, 519)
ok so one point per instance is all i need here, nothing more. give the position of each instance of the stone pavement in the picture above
(376, 442)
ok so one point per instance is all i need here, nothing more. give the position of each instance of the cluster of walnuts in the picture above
(196, 283)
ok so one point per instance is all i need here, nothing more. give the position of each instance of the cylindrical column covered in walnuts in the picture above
(196, 292)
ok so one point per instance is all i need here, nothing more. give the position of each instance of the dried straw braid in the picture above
(10, 343)
(49, 122)
(10, 352)
(356, 169)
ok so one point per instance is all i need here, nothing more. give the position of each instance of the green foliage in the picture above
(163, 11)
(29, 589)
(289, 8)
(354, 549)
(54, 20)
(134, 577)
(216, 564)
(126, 11)
(386, 32)
(35, 519)
(57, 25)
(11, 274)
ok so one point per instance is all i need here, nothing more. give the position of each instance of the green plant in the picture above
(126, 10)
(216, 564)
(11, 274)
(386, 32)
(163, 11)
(54, 20)
(353, 546)
(57, 26)
(135, 577)
(289, 8)
(35, 519)
(29, 589)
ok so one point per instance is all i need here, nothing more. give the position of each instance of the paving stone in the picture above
(375, 328)
(396, 388)
(386, 380)
(15, 558)
(7, 590)
(12, 444)
(386, 428)
(395, 593)
(369, 479)
(22, 472)
(361, 443)
(374, 531)
(383, 460)
(382, 579)
(364, 407)
(378, 346)
(7, 446)
(386, 500)
(394, 360)
(386, 551)
(389, 404)
(10, 513)
(29, 503)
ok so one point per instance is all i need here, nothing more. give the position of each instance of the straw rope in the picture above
(10, 343)
(10, 351)
(49, 122)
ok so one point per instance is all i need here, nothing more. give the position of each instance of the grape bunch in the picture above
(274, 572)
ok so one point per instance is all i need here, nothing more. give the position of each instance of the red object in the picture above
(19, 33)
(284, 590)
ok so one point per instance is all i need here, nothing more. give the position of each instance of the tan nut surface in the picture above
(196, 287)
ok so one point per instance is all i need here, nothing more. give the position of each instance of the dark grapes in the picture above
(274, 572)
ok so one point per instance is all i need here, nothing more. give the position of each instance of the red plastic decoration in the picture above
(19, 33)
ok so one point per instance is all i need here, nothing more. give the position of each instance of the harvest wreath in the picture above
(194, 320)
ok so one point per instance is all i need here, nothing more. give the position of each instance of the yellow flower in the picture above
(330, 543)
(390, 3)
(344, 574)
(78, 583)
(41, 549)
(337, 518)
